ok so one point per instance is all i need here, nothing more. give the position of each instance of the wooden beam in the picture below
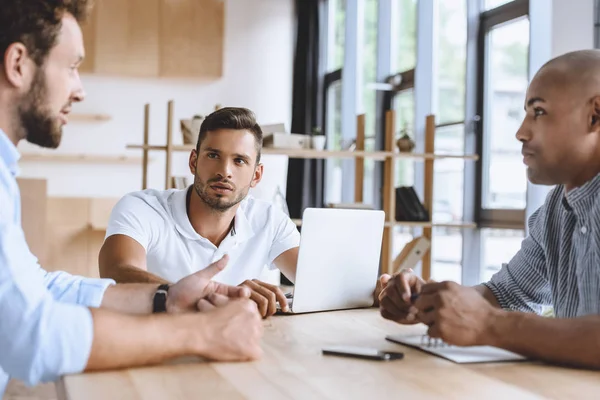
(428, 190)
(389, 193)
(169, 154)
(359, 170)
(145, 150)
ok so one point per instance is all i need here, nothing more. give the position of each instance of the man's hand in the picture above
(379, 286)
(198, 292)
(232, 332)
(395, 297)
(457, 314)
(266, 297)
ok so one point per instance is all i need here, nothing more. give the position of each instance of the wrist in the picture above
(195, 341)
(499, 326)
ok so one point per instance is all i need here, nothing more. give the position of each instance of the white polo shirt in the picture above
(158, 220)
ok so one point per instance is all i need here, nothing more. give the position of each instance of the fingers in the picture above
(384, 279)
(279, 295)
(214, 268)
(204, 305)
(233, 292)
(218, 300)
(392, 309)
(263, 297)
(432, 287)
(409, 284)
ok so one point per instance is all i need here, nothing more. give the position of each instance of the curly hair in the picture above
(36, 23)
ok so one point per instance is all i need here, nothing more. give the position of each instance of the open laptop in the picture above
(338, 259)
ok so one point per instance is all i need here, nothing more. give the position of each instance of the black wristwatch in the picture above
(159, 303)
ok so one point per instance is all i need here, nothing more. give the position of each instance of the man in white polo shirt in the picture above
(162, 236)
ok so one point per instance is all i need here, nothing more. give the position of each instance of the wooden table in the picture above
(293, 368)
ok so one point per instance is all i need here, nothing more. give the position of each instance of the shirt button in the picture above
(583, 230)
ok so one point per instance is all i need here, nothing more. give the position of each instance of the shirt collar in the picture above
(9, 154)
(242, 229)
(581, 197)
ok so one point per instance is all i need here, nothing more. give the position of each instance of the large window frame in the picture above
(488, 20)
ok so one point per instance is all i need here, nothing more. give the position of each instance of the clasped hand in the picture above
(457, 314)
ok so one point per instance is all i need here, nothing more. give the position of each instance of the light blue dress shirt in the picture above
(46, 328)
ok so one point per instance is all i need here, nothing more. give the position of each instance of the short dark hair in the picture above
(37, 23)
(232, 118)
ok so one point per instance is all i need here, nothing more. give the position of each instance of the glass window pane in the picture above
(404, 106)
(451, 33)
(448, 195)
(404, 34)
(333, 123)
(446, 255)
(506, 78)
(489, 4)
(337, 34)
(369, 94)
(498, 246)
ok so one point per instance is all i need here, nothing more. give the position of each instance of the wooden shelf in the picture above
(322, 154)
(437, 156)
(89, 117)
(81, 158)
(466, 225)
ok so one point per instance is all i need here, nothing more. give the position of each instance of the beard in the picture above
(35, 119)
(214, 201)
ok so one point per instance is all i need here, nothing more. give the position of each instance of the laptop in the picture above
(338, 261)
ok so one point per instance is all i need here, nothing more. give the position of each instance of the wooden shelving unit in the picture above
(81, 117)
(81, 158)
(389, 156)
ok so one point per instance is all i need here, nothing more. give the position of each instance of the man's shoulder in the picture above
(148, 201)
(261, 212)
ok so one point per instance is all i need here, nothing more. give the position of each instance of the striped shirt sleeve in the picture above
(522, 284)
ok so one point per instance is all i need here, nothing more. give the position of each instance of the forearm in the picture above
(129, 341)
(130, 274)
(488, 295)
(130, 298)
(574, 342)
(287, 263)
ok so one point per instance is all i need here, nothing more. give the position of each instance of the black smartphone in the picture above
(363, 352)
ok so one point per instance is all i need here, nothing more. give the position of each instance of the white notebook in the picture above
(457, 354)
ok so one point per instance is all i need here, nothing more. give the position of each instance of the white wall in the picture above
(572, 26)
(259, 44)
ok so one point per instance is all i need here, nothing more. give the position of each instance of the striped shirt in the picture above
(558, 264)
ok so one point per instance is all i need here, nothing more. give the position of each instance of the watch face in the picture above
(159, 303)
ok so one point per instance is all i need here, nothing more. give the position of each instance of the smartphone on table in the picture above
(366, 353)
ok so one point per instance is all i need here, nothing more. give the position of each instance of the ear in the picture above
(258, 173)
(594, 119)
(193, 161)
(18, 67)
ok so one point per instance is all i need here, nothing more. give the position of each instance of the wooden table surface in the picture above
(293, 368)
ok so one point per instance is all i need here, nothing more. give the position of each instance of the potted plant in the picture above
(318, 139)
(405, 143)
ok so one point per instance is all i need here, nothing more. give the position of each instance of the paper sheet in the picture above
(460, 355)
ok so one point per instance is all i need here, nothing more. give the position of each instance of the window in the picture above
(336, 35)
(333, 98)
(506, 79)
(489, 4)
(449, 97)
(370, 95)
(405, 34)
(503, 70)
(498, 246)
(501, 176)
(333, 129)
